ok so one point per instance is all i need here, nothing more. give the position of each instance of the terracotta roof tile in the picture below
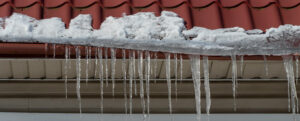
(29, 7)
(117, 11)
(201, 3)
(142, 3)
(261, 3)
(237, 17)
(54, 3)
(231, 3)
(184, 12)
(208, 17)
(113, 3)
(289, 3)
(154, 7)
(5, 8)
(264, 18)
(290, 16)
(173, 3)
(84, 3)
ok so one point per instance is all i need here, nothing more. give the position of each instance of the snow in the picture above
(145, 31)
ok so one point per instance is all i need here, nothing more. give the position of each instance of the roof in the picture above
(213, 14)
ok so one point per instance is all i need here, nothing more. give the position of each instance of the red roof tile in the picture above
(153, 7)
(289, 3)
(231, 3)
(261, 3)
(142, 3)
(5, 8)
(291, 16)
(266, 18)
(174, 3)
(113, 3)
(201, 3)
(117, 11)
(58, 8)
(208, 17)
(91, 7)
(184, 12)
(29, 7)
(237, 17)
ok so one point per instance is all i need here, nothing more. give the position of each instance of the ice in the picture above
(96, 63)
(148, 65)
(181, 67)
(206, 84)
(195, 68)
(140, 72)
(168, 77)
(124, 79)
(175, 72)
(106, 65)
(100, 56)
(289, 68)
(78, 77)
(234, 79)
(131, 73)
(49, 28)
(155, 66)
(242, 64)
(133, 69)
(66, 68)
(81, 25)
(297, 68)
(266, 65)
(54, 50)
(87, 63)
(113, 68)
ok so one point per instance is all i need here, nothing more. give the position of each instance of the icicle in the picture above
(175, 71)
(100, 56)
(54, 51)
(66, 70)
(131, 63)
(289, 68)
(297, 68)
(148, 60)
(242, 64)
(234, 79)
(113, 68)
(124, 79)
(140, 72)
(133, 67)
(168, 77)
(78, 71)
(106, 66)
(96, 64)
(195, 68)
(266, 65)
(181, 67)
(87, 63)
(155, 66)
(206, 84)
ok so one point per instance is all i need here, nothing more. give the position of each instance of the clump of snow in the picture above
(143, 26)
(80, 27)
(287, 32)
(19, 27)
(49, 28)
(1, 24)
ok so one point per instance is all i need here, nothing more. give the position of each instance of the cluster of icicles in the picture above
(144, 58)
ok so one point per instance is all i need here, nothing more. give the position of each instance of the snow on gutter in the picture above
(144, 31)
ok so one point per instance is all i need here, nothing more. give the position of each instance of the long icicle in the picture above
(87, 64)
(155, 66)
(54, 50)
(168, 76)
(106, 66)
(131, 63)
(175, 73)
(206, 85)
(124, 79)
(242, 64)
(96, 63)
(133, 67)
(140, 71)
(100, 57)
(78, 71)
(234, 79)
(266, 65)
(289, 68)
(113, 69)
(297, 68)
(195, 68)
(181, 67)
(148, 71)
(66, 69)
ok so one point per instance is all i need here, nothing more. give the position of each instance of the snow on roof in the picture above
(145, 31)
